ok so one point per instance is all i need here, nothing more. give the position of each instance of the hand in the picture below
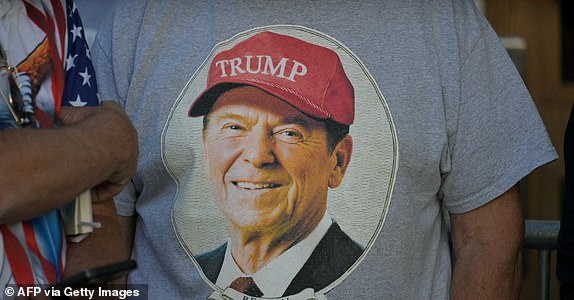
(107, 127)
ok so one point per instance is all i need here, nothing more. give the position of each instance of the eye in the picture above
(232, 129)
(289, 135)
(232, 126)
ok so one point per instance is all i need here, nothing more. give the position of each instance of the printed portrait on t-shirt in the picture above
(285, 156)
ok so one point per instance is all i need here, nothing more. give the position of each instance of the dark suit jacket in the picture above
(334, 255)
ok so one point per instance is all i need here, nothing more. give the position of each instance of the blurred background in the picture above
(538, 35)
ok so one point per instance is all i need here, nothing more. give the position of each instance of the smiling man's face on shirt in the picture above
(270, 168)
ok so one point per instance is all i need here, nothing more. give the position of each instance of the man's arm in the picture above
(105, 245)
(109, 244)
(487, 246)
(128, 226)
(43, 169)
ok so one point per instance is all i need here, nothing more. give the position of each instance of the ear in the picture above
(342, 155)
(206, 166)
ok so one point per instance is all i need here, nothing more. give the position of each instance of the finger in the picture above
(105, 192)
(73, 115)
(111, 104)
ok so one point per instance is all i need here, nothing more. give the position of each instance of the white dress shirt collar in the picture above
(274, 279)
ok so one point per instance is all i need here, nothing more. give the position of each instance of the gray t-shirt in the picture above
(466, 127)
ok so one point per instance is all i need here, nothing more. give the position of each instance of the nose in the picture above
(258, 149)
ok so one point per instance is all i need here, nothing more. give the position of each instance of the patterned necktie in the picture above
(247, 286)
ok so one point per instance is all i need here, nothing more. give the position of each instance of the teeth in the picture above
(254, 186)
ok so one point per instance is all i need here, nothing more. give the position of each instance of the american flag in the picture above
(33, 252)
(80, 87)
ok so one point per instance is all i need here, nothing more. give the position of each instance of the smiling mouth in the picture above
(255, 186)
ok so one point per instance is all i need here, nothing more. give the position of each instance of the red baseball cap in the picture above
(307, 76)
